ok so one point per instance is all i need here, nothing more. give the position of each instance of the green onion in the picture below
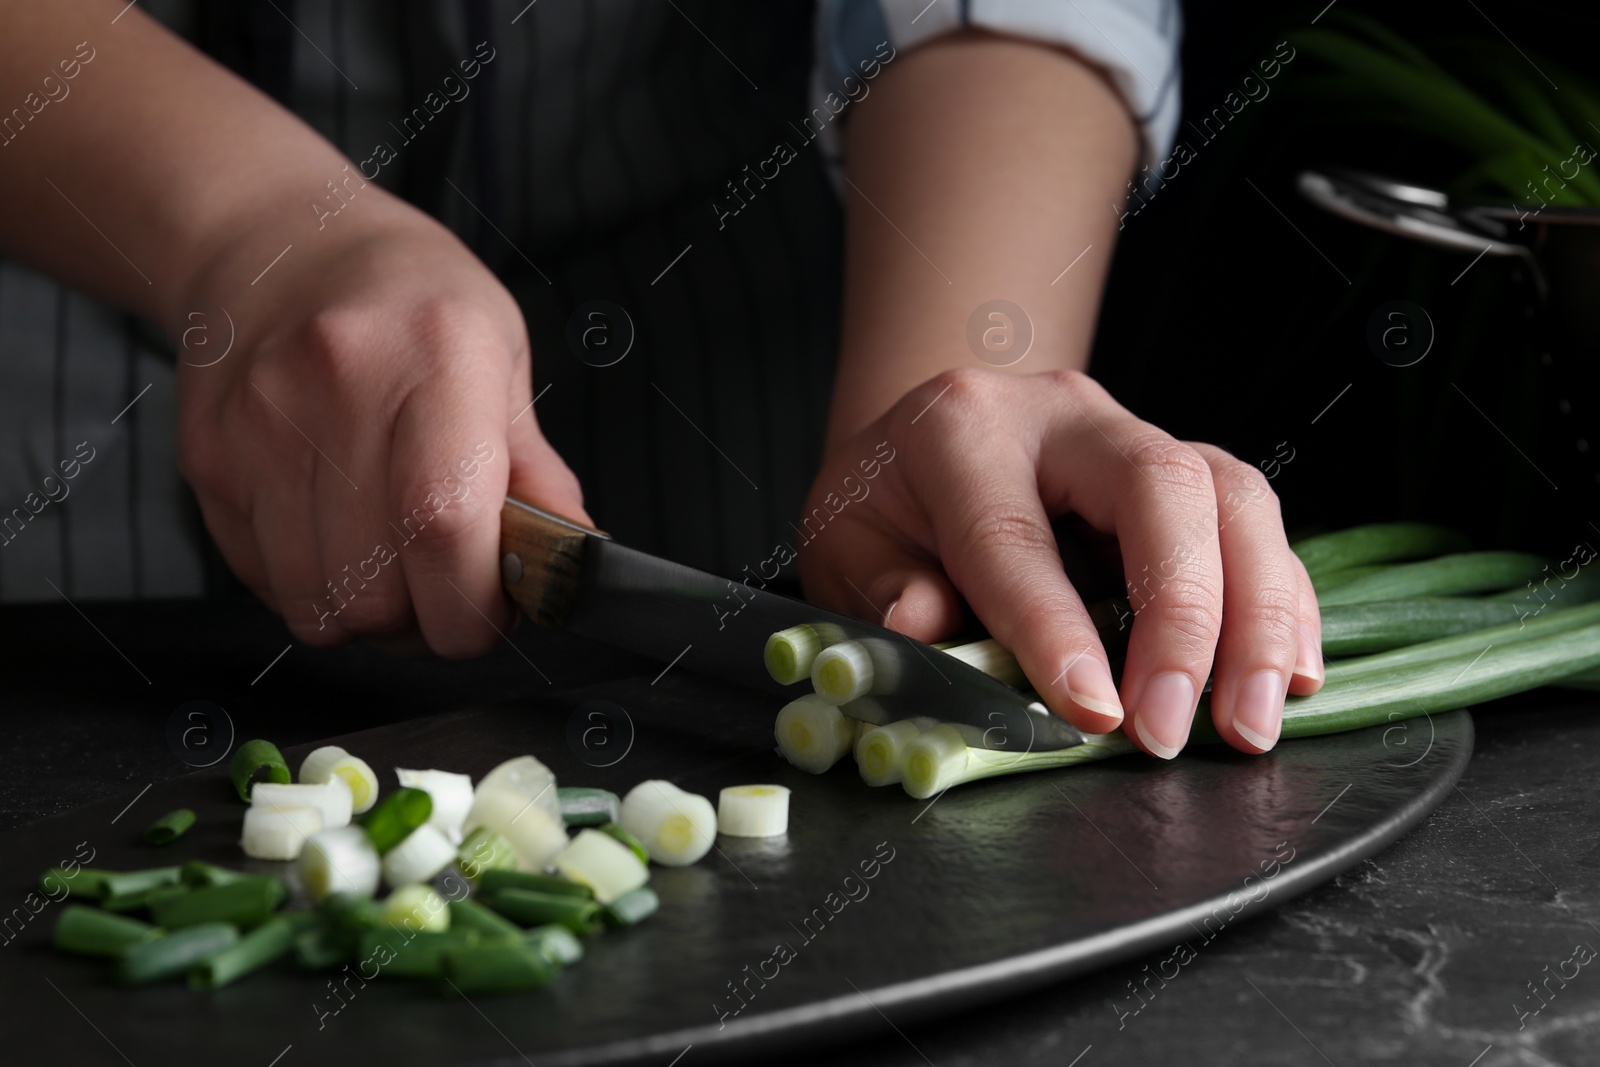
(880, 752)
(330, 760)
(127, 890)
(92, 932)
(424, 853)
(790, 653)
(265, 944)
(991, 659)
(341, 860)
(332, 799)
(1353, 629)
(556, 944)
(415, 955)
(143, 899)
(469, 914)
(582, 806)
(417, 907)
(494, 881)
(85, 881)
(813, 733)
(940, 758)
(271, 832)
(842, 672)
(173, 955)
(484, 850)
(257, 761)
(496, 968)
(323, 949)
(528, 908)
(1333, 579)
(451, 793)
(612, 829)
(753, 810)
(396, 816)
(602, 863)
(1466, 572)
(1383, 542)
(197, 875)
(246, 903)
(675, 826)
(1470, 644)
(169, 827)
(631, 908)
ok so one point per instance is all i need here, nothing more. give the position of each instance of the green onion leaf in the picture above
(528, 908)
(168, 957)
(631, 908)
(246, 903)
(266, 943)
(495, 968)
(396, 816)
(554, 885)
(92, 932)
(170, 827)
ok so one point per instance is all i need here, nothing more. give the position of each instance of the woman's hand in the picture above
(352, 451)
(982, 461)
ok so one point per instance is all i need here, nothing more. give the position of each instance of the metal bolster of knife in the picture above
(543, 560)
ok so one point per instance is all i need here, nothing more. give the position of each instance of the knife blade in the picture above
(569, 576)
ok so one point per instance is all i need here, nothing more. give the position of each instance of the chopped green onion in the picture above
(484, 851)
(340, 861)
(274, 833)
(332, 799)
(257, 761)
(496, 968)
(880, 752)
(423, 854)
(630, 909)
(469, 914)
(352, 912)
(533, 827)
(323, 949)
(527, 908)
(753, 810)
(128, 889)
(676, 827)
(556, 944)
(247, 903)
(790, 653)
(143, 899)
(414, 955)
(1383, 542)
(417, 907)
(525, 778)
(843, 672)
(397, 816)
(92, 932)
(494, 881)
(329, 761)
(602, 863)
(168, 957)
(1466, 572)
(812, 733)
(451, 793)
(85, 881)
(581, 806)
(265, 944)
(197, 875)
(169, 827)
(616, 830)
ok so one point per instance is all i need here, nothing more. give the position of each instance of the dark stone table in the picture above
(1430, 953)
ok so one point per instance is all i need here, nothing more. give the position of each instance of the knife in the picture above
(568, 576)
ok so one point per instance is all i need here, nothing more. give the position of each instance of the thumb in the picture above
(854, 568)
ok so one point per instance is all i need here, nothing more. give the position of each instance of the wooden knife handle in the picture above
(541, 560)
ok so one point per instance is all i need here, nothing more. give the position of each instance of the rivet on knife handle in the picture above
(541, 560)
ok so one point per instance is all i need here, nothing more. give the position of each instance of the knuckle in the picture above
(953, 393)
(1170, 462)
(1191, 610)
(1272, 609)
(1074, 383)
(444, 513)
(1249, 485)
(1007, 528)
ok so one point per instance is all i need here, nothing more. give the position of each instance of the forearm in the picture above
(989, 164)
(149, 165)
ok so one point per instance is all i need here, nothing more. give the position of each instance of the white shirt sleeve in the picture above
(1134, 41)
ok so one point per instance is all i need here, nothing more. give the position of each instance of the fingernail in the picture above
(1165, 711)
(1258, 713)
(888, 612)
(1089, 686)
(1308, 658)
